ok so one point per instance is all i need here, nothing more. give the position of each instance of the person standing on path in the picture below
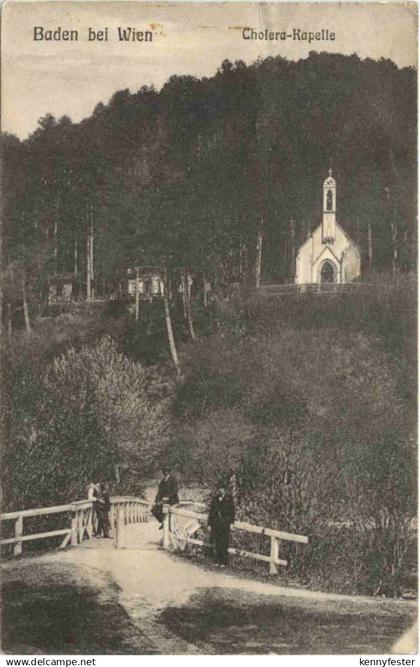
(221, 517)
(167, 494)
(93, 490)
(102, 506)
(93, 493)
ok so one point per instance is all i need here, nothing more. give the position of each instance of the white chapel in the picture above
(329, 255)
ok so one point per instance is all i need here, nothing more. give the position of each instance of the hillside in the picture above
(309, 401)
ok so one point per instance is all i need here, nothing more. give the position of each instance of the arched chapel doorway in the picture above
(327, 273)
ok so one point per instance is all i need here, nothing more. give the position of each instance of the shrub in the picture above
(311, 402)
(91, 409)
(356, 510)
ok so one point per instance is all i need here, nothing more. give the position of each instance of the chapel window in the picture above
(329, 200)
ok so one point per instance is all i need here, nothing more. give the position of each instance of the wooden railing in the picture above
(127, 510)
(80, 518)
(311, 288)
(180, 525)
(19, 535)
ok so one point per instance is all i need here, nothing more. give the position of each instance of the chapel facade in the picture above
(328, 255)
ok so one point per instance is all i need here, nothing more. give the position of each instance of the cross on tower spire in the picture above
(329, 168)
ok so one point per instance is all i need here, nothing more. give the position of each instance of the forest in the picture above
(219, 177)
(310, 401)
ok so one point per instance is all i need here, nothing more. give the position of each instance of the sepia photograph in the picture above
(208, 329)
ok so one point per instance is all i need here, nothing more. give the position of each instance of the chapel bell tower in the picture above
(328, 209)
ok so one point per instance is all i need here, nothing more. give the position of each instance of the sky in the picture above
(71, 77)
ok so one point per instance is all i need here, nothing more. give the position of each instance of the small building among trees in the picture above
(149, 281)
(328, 255)
(65, 287)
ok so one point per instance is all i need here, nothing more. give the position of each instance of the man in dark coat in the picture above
(167, 494)
(102, 506)
(221, 516)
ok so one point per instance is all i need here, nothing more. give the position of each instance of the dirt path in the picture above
(176, 607)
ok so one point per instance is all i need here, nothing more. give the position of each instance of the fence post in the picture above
(17, 549)
(89, 525)
(274, 554)
(94, 520)
(73, 541)
(81, 516)
(119, 527)
(165, 529)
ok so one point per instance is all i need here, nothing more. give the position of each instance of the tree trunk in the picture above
(186, 298)
(370, 246)
(394, 232)
(76, 268)
(169, 329)
(137, 296)
(55, 246)
(88, 283)
(9, 323)
(26, 309)
(258, 259)
(243, 266)
(92, 283)
(184, 295)
(56, 233)
(206, 290)
(292, 248)
(90, 292)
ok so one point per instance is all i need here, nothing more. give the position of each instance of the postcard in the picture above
(209, 306)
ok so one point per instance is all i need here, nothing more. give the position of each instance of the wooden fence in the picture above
(327, 289)
(180, 525)
(79, 519)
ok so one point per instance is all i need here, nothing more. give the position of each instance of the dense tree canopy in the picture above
(189, 176)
